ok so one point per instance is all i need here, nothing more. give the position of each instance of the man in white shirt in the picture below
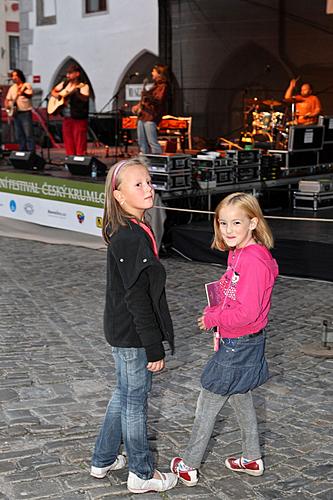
(18, 105)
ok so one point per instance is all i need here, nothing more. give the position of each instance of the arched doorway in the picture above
(60, 74)
(260, 75)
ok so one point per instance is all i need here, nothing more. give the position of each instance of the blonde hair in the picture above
(249, 204)
(114, 214)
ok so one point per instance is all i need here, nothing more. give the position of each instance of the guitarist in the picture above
(150, 110)
(18, 105)
(75, 110)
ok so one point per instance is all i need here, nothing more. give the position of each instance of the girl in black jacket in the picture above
(136, 322)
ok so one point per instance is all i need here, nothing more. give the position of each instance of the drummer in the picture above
(308, 106)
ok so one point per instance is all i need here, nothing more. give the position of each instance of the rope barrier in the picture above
(281, 217)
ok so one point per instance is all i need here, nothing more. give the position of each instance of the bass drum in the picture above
(262, 137)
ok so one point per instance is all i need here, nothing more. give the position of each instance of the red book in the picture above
(213, 293)
(214, 298)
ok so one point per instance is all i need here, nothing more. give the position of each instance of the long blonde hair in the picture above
(247, 202)
(114, 214)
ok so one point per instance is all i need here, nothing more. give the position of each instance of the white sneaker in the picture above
(137, 485)
(101, 472)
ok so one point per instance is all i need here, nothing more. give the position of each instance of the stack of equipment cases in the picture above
(314, 194)
(224, 172)
(326, 154)
(203, 171)
(270, 167)
(246, 164)
(170, 172)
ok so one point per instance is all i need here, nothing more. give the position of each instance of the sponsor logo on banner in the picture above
(99, 222)
(56, 213)
(80, 216)
(29, 208)
(12, 205)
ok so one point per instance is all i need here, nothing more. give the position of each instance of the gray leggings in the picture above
(208, 406)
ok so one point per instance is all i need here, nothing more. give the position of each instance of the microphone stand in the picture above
(115, 99)
(48, 140)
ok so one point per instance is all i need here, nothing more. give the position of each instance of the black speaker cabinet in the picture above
(26, 160)
(85, 165)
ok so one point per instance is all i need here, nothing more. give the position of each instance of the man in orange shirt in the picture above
(308, 106)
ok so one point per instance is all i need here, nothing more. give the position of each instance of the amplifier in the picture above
(246, 173)
(242, 157)
(202, 163)
(171, 181)
(168, 162)
(270, 167)
(224, 175)
(315, 186)
(326, 154)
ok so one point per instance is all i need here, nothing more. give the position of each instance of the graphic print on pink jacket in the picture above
(252, 271)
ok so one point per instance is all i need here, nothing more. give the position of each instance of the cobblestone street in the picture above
(56, 376)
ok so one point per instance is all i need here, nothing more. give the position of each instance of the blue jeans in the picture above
(126, 414)
(147, 138)
(24, 130)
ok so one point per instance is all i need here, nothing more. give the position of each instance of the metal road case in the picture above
(313, 201)
(168, 162)
(171, 181)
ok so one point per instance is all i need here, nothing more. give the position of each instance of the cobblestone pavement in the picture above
(56, 376)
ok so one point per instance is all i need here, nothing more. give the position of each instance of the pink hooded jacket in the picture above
(246, 290)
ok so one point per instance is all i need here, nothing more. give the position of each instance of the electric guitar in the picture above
(57, 102)
(11, 109)
(139, 107)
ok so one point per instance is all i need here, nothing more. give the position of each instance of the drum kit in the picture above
(264, 122)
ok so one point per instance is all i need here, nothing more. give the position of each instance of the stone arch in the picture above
(142, 63)
(251, 71)
(60, 74)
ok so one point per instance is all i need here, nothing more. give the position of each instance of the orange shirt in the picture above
(305, 105)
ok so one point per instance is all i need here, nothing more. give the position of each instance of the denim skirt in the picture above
(237, 367)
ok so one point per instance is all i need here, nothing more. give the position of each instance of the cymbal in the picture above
(271, 102)
(253, 100)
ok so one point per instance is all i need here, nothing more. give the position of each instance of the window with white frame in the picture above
(46, 12)
(94, 6)
(14, 51)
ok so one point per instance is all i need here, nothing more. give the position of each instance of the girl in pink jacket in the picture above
(239, 320)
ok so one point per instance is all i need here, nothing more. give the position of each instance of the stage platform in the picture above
(302, 248)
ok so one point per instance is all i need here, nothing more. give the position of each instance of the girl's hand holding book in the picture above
(201, 323)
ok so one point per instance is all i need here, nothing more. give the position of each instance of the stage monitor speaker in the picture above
(327, 123)
(305, 138)
(84, 165)
(26, 160)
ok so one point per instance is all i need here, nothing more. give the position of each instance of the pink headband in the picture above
(116, 172)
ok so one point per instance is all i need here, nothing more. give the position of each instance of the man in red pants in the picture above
(75, 110)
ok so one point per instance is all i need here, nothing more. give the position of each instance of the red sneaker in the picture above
(186, 474)
(254, 468)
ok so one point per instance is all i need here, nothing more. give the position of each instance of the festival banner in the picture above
(53, 202)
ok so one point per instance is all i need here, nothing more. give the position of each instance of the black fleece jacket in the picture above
(136, 311)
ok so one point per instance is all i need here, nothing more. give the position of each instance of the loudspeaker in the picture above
(84, 165)
(26, 160)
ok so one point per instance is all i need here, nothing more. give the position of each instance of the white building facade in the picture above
(9, 38)
(109, 39)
